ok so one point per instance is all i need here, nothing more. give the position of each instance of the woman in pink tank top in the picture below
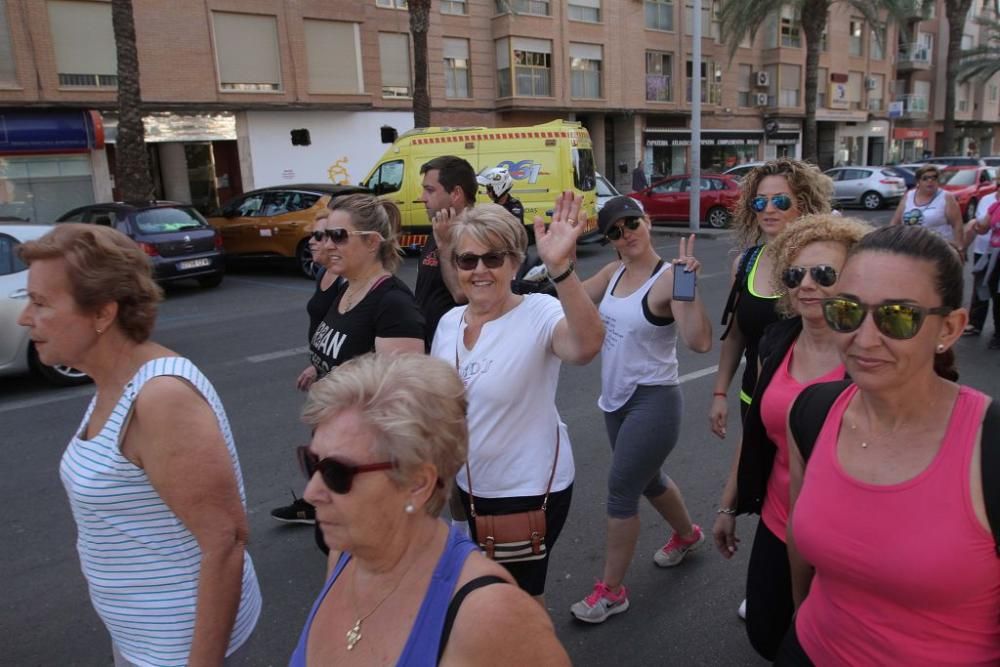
(795, 352)
(889, 542)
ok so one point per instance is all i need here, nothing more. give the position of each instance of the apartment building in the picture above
(250, 93)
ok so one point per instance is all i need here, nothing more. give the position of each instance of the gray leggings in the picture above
(642, 433)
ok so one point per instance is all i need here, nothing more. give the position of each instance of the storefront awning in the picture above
(56, 131)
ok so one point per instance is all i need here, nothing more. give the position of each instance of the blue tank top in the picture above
(421, 648)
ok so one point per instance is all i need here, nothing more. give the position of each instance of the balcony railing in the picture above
(914, 106)
(914, 56)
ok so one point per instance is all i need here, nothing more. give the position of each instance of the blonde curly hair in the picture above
(811, 188)
(816, 228)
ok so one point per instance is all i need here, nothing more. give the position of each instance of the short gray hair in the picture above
(414, 404)
(494, 227)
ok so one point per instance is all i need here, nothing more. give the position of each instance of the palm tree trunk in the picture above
(132, 161)
(955, 10)
(419, 20)
(813, 21)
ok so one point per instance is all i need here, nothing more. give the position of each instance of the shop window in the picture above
(584, 10)
(457, 81)
(791, 30)
(856, 46)
(659, 14)
(585, 70)
(84, 43)
(453, 7)
(40, 189)
(246, 50)
(394, 63)
(535, 7)
(333, 56)
(744, 86)
(659, 68)
(8, 73)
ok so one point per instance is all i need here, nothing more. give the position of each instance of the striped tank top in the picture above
(141, 563)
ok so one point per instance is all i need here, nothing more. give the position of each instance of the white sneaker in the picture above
(742, 611)
(674, 551)
(600, 604)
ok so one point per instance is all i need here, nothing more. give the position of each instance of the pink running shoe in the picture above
(674, 551)
(596, 607)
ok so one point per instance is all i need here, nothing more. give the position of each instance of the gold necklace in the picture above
(354, 634)
(349, 298)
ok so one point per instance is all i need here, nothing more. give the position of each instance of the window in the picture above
(744, 86)
(453, 7)
(709, 25)
(394, 63)
(392, 4)
(8, 73)
(585, 70)
(660, 14)
(246, 49)
(457, 82)
(333, 56)
(659, 68)
(387, 178)
(962, 95)
(534, 7)
(772, 85)
(876, 43)
(532, 67)
(711, 90)
(789, 85)
(42, 188)
(855, 80)
(993, 92)
(822, 86)
(876, 92)
(791, 32)
(585, 10)
(856, 47)
(84, 44)
(824, 45)
(9, 260)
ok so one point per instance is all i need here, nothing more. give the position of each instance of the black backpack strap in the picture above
(456, 602)
(989, 455)
(809, 411)
(739, 283)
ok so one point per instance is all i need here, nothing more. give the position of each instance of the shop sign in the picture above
(783, 139)
(69, 131)
(707, 139)
(904, 133)
(837, 96)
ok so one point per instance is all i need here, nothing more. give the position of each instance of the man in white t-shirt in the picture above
(978, 308)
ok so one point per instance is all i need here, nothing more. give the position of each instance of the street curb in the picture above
(677, 232)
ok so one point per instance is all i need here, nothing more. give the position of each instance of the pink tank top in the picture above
(774, 404)
(905, 573)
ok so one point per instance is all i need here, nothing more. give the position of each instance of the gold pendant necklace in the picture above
(354, 634)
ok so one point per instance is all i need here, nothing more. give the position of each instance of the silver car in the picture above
(17, 354)
(605, 191)
(870, 187)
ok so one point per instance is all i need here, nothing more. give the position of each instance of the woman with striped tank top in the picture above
(152, 474)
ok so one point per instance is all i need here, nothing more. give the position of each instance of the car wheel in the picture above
(304, 257)
(872, 201)
(213, 280)
(718, 217)
(970, 210)
(62, 376)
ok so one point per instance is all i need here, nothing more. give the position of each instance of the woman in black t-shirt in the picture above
(328, 284)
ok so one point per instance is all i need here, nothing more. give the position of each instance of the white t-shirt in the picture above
(932, 215)
(982, 243)
(510, 377)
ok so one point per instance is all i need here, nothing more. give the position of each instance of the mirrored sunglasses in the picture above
(781, 202)
(821, 274)
(900, 321)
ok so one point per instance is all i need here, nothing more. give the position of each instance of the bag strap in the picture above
(809, 411)
(990, 464)
(456, 602)
(742, 272)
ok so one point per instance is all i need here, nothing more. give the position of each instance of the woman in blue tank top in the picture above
(389, 435)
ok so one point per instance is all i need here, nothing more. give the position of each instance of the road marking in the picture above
(694, 375)
(280, 354)
(294, 288)
(45, 400)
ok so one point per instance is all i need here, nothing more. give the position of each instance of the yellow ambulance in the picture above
(543, 160)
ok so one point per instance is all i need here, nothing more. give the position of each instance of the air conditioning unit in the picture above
(871, 83)
(761, 99)
(762, 79)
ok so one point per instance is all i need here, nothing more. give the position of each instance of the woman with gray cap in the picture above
(640, 393)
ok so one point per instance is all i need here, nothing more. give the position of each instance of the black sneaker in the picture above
(994, 344)
(298, 512)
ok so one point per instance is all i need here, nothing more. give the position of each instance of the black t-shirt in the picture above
(515, 207)
(321, 300)
(432, 294)
(387, 311)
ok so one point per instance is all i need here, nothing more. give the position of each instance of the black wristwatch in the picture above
(564, 275)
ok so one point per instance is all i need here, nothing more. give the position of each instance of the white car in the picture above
(741, 170)
(17, 354)
(605, 191)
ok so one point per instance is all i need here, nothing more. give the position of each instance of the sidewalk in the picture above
(706, 232)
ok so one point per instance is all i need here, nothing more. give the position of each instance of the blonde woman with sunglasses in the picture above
(893, 561)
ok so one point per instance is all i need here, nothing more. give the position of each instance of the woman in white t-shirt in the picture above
(508, 349)
(640, 393)
(929, 206)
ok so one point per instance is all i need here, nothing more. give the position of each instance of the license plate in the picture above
(193, 264)
(265, 232)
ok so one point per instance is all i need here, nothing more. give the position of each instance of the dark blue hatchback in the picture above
(176, 237)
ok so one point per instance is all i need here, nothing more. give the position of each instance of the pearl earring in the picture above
(409, 509)
(940, 348)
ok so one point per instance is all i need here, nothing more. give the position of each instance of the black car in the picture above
(908, 176)
(175, 236)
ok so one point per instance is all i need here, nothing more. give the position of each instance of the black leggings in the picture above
(769, 593)
(791, 653)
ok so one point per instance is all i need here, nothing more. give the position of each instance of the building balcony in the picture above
(913, 57)
(915, 106)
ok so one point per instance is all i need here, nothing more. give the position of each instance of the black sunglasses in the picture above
(821, 274)
(781, 202)
(930, 177)
(900, 321)
(616, 231)
(337, 475)
(468, 261)
(338, 235)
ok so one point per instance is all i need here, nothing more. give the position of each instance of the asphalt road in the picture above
(247, 337)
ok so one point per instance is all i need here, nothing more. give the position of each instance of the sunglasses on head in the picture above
(339, 235)
(468, 261)
(618, 230)
(781, 202)
(900, 321)
(821, 274)
(337, 475)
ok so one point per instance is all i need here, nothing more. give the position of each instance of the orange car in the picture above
(275, 222)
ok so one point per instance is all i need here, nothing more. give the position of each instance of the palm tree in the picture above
(741, 19)
(131, 159)
(982, 62)
(955, 11)
(419, 20)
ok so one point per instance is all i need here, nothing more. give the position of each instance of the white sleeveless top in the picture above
(636, 350)
(931, 215)
(141, 563)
